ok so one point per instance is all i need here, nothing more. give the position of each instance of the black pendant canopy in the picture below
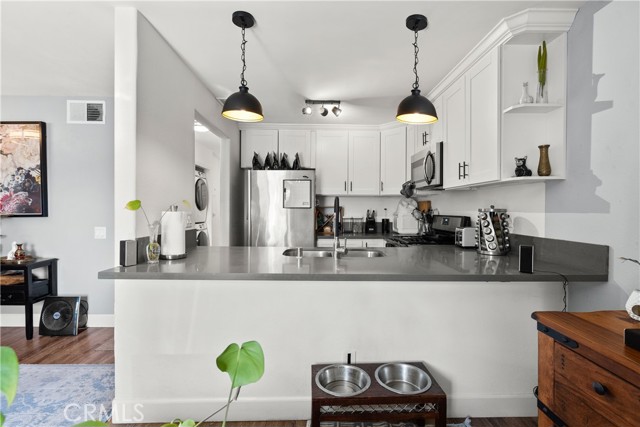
(242, 106)
(415, 108)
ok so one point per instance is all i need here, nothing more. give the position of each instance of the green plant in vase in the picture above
(244, 364)
(542, 73)
(153, 248)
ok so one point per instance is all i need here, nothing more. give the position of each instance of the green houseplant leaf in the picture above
(8, 373)
(133, 205)
(244, 364)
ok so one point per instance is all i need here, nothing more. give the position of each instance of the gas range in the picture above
(443, 232)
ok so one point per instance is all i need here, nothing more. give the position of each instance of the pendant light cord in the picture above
(243, 82)
(415, 64)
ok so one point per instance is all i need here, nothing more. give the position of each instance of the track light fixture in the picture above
(242, 106)
(324, 111)
(415, 108)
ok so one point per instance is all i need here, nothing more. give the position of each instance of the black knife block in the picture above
(370, 225)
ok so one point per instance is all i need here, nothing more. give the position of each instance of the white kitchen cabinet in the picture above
(393, 155)
(436, 129)
(347, 162)
(455, 134)
(364, 163)
(332, 162)
(352, 243)
(261, 141)
(483, 150)
(471, 123)
(297, 141)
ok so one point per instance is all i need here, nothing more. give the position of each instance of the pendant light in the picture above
(415, 108)
(242, 106)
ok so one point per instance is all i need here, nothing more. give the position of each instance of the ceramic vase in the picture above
(544, 167)
(153, 248)
(633, 305)
(19, 253)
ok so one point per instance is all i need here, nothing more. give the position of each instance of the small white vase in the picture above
(633, 305)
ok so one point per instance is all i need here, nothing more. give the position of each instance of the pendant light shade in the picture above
(415, 108)
(242, 106)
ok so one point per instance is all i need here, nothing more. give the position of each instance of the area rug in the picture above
(61, 395)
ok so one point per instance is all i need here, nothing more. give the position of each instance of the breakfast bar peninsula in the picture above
(466, 316)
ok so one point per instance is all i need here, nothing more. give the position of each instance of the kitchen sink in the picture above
(328, 253)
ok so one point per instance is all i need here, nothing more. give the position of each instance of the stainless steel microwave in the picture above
(426, 167)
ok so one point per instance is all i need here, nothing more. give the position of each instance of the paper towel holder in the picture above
(165, 256)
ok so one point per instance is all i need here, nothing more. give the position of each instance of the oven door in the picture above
(426, 168)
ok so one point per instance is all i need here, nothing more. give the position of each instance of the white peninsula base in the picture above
(477, 339)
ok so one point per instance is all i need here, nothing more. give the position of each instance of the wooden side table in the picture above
(586, 374)
(31, 290)
(379, 404)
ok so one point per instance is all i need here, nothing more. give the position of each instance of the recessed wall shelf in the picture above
(531, 108)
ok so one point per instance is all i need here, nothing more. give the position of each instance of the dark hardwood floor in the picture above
(95, 345)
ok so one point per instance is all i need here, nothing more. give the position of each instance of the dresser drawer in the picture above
(574, 411)
(604, 393)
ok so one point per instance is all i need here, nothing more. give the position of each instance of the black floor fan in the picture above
(64, 315)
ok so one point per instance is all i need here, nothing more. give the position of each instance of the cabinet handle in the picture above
(465, 173)
(381, 186)
(350, 185)
(459, 173)
(345, 186)
(599, 388)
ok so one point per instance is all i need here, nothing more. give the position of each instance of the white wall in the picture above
(598, 203)
(167, 96)
(80, 186)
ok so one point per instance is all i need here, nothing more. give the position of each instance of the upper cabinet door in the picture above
(260, 141)
(364, 163)
(456, 166)
(393, 154)
(297, 141)
(482, 99)
(332, 162)
(436, 128)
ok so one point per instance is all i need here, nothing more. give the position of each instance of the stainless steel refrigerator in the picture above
(279, 207)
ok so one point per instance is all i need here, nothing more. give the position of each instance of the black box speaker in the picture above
(61, 315)
(526, 259)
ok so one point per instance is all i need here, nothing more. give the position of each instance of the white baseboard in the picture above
(17, 319)
(299, 408)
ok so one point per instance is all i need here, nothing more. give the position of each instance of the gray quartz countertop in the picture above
(417, 263)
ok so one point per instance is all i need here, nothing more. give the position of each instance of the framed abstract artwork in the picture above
(23, 169)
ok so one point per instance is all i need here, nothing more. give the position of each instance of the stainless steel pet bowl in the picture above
(403, 378)
(342, 380)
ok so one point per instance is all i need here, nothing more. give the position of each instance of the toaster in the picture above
(466, 237)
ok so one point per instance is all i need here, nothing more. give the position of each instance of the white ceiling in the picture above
(359, 52)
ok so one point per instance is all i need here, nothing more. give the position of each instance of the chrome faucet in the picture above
(337, 250)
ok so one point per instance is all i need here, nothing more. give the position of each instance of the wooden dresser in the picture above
(587, 377)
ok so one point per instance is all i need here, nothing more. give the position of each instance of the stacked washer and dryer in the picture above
(202, 207)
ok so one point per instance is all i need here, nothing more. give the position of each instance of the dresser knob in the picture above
(599, 388)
